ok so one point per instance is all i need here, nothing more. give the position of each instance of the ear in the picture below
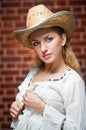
(63, 39)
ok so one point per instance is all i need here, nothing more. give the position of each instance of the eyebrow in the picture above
(33, 40)
(46, 36)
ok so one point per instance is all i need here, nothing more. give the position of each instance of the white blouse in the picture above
(65, 103)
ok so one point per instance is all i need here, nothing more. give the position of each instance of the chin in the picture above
(49, 61)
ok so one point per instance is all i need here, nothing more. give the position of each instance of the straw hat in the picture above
(41, 17)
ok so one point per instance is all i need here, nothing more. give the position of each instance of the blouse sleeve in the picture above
(75, 106)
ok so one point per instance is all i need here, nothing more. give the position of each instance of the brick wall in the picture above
(15, 60)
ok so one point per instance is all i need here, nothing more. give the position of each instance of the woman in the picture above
(52, 96)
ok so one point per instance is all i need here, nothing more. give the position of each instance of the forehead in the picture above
(41, 32)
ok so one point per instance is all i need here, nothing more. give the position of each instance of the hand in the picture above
(31, 100)
(15, 110)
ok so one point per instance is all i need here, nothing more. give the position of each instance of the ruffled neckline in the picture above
(50, 79)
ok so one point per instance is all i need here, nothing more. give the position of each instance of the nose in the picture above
(43, 47)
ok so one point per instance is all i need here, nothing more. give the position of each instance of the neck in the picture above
(58, 67)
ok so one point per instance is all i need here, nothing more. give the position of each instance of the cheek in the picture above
(57, 49)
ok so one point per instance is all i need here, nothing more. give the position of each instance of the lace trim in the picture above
(57, 79)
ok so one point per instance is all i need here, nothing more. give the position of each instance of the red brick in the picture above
(1, 39)
(10, 38)
(83, 22)
(10, 4)
(6, 99)
(10, 92)
(82, 57)
(8, 25)
(10, 11)
(1, 92)
(11, 85)
(26, 4)
(80, 16)
(11, 18)
(1, 52)
(6, 32)
(9, 72)
(1, 119)
(80, 29)
(23, 65)
(1, 66)
(60, 9)
(5, 125)
(83, 69)
(10, 45)
(10, 59)
(10, 52)
(60, 3)
(76, 36)
(28, 58)
(10, 65)
(77, 50)
(6, 112)
(46, 3)
(24, 51)
(19, 79)
(84, 49)
(21, 25)
(77, 3)
(25, 72)
(22, 11)
(79, 43)
(9, 79)
(77, 9)
(84, 8)
(9, 120)
(1, 11)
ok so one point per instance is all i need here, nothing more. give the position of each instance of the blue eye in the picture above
(49, 39)
(35, 43)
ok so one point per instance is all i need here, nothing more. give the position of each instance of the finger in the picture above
(14, 118)
(15, 110)
(25, 98)
(24, 101)
(27, 93)
(12, 110)
(14, 115)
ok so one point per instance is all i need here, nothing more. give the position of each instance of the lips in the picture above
(46, 56)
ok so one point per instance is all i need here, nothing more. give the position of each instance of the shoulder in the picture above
(73, 82)
(73, 86)
(73, 76)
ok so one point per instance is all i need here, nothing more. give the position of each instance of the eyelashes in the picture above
(35, 43)
(47, 39)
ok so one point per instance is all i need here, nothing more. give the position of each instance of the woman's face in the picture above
(47, 44)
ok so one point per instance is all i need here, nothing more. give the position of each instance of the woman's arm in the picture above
(75, 106)
(32, 100)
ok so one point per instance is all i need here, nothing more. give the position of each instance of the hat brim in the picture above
(63, 19)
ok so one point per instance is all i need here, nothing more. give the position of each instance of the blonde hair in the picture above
(67, 53)
(70, 58)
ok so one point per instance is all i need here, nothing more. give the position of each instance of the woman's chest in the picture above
(49, 92)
